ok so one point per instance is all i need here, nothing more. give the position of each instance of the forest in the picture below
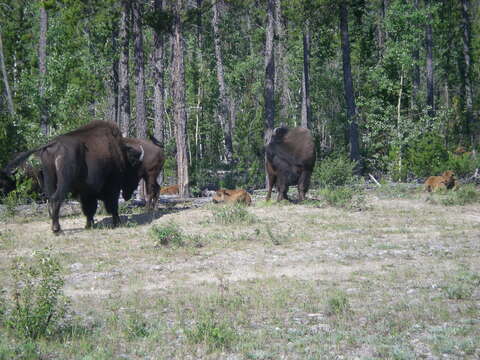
(388, 84)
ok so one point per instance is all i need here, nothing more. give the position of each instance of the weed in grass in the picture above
(7, 239)
(169, 234)
(136, 326)
(215, 333)
(38, 304)
(337, 303)
(343, 196)
(232, 214)
(396, 190)
(466, 194)
(22, 351)
(461, 285)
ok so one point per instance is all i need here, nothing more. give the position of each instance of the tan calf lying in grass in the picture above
(169, 190)
(444, 181)
(232, 196)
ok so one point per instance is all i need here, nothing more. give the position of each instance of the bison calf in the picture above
(444, 181)
(232, 196)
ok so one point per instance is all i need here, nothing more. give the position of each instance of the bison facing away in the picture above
(93, 163)
(239, 196)
(290, 158)
(150, 167)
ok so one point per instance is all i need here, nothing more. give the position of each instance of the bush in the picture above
(214, 333)
(466, 194)
(38, 303)
(334, 171)
(343, 196)
(169, 234)
(426, 156)
(232, 214)
(461, 165)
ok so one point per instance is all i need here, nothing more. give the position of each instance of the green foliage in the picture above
(466, 194)
(169, 234)
(337, 303)
(214, 332)
(333, 171)
(232, 214)
(462, 165)
(462, 284)
(37, 303)
(426, 156)
(136, 326)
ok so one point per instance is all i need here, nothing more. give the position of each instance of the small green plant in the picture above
(337, 303)
(216, 334)
(169, 234)
(334, 171)
(38, 304)
(343, 196)
(466, 194)
(461, 285)
(232, 214)
(136, 326)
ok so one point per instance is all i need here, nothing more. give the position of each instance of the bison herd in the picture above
(95, 162)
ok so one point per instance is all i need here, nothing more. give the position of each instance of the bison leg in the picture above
(152, 192)
(89, 208)
(282, 189)
(303, 184)
(272, 179)
(111, 205)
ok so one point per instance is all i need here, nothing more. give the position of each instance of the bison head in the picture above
(7, 183)
(134, 158)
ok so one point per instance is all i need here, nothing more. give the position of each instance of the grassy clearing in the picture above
(397, 280)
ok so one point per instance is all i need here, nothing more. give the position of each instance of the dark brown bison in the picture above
(150, 167)
(93, 163)
(290, 158)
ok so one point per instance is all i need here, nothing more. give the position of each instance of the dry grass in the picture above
(398, 280)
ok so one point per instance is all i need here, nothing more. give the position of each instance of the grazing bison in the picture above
(93, 163)
(290, 158)
(445, 181)
(150, 167)
(232, 196)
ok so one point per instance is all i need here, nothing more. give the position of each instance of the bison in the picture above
(151, 166)
(290, 158)
(239, 196)
(93, 163)
(445, 181)
(170, 190)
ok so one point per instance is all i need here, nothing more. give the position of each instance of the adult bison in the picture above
(290, 158)
(93, 163)
(150, 167)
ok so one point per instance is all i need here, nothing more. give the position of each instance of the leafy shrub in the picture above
(38, 304)
(426, 156)
(216, 334)
(169, 234)
(343, 196)
(337, 303)
(334, 171)
(462, 165)
(232, 214)
(466, 194)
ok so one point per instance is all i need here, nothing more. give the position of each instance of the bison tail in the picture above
(154, 140)
(22, 157)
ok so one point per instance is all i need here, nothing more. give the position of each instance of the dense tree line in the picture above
(377, 80)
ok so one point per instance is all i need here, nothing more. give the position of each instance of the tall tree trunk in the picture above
(179, 103)
(429, 65)
(200, 89)
(281, 69)
(8, 93)
(382, 34)
(415, 72)
(470, 120)
(223, 114)
(123, 72)
(113, 83)
(348, 84)
(141, 121)
(42, 61)
(269, 93)
(306, 107)
(158, 78)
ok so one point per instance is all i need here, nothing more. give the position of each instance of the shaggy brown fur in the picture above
(232, 196)
(444, 181)
(169, 190)
(290, 158)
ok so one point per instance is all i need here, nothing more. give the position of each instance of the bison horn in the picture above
(142, 154)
